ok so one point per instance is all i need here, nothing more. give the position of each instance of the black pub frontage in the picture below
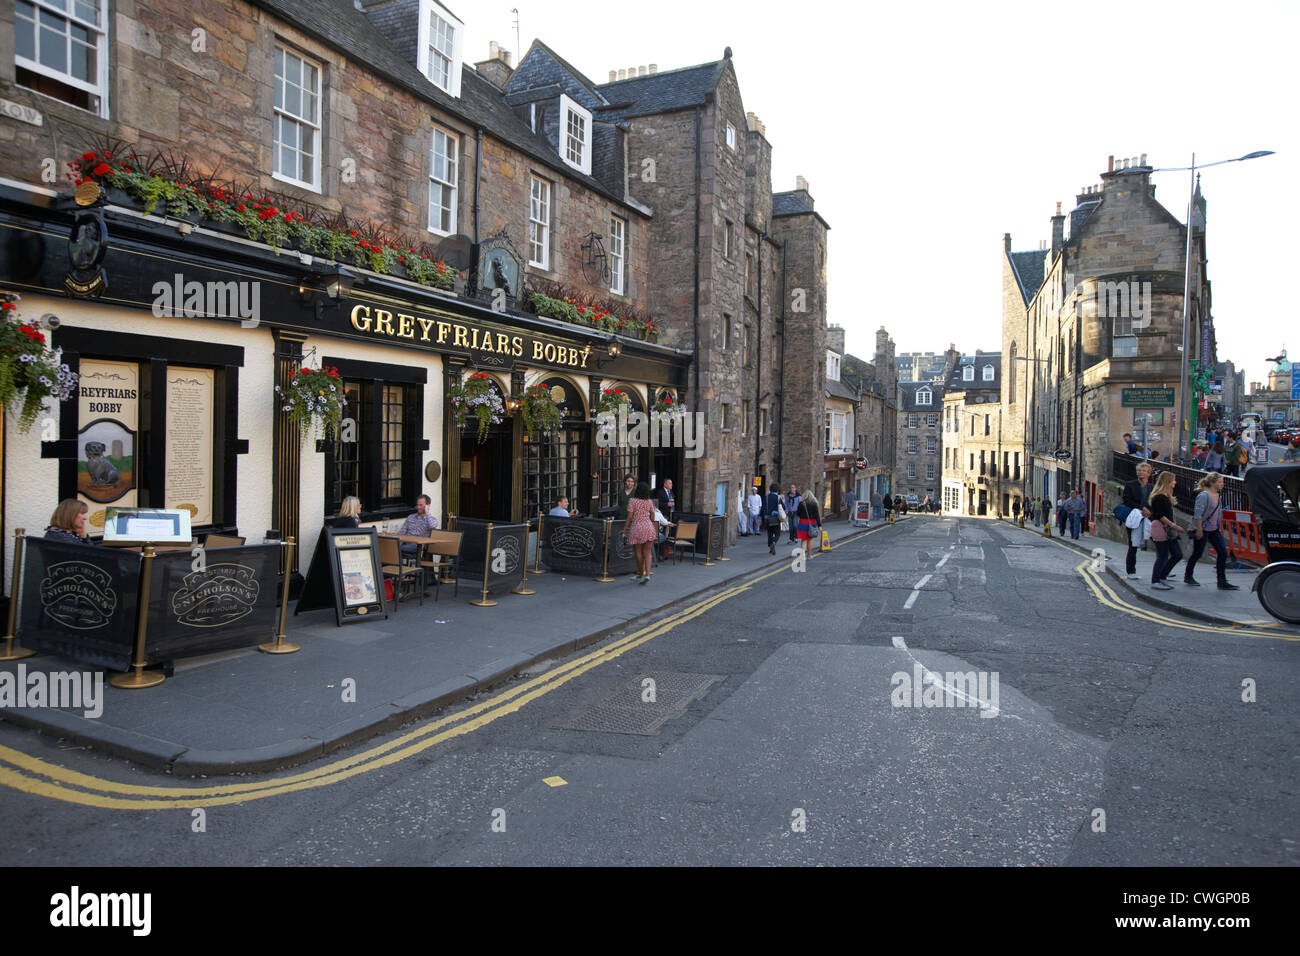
(182, 334)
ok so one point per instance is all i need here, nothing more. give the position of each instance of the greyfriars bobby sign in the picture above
(499, 267)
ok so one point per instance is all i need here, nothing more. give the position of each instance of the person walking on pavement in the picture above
(1061, 514)
(810, 522)
(877, 506)
(1136, 494)
(755, 505)
(1206, 516)
(1015, 510)
(1292, 452)
(1074, 509)
(640, 530)
(1046, 507)
(791, 505)
(888, 506)
(1232, 455)
(772, 518)
(1214, 461)
(1164, 531)
(851, 500)
(742, 513)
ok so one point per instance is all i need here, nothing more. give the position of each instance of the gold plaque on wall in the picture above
(432, 471)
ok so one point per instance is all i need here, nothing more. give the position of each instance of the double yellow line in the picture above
(29, 774)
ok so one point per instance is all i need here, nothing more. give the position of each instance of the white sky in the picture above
(926, 131)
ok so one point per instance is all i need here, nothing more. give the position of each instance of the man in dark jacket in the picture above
(791, 503)
(772, 518)
(666, 499)
(1136, 493)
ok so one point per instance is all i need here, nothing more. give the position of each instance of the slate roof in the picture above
(957, 384)
(836, 389)
(662, 92)
(542, 66)
(909, 390)
(789, 204)
(1028, 269)
(1079, 215)
(338, 24)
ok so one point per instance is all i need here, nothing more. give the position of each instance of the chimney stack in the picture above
(801, 190)
(1006, 242)
(496, 68)
(1058, 232)
(835, 338)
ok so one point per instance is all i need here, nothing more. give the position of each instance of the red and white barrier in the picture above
(1242, 535)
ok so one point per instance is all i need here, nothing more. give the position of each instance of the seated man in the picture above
(561, 509)
(420, 523)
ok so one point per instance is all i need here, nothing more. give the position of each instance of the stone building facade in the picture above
(978, 468)
(1105, 316)
(876, 385)
(919, 466)
(1273, 402)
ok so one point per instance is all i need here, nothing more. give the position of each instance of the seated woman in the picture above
(349, 513)
(68, 523)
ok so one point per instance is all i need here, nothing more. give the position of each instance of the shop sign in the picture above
(486, 346)
(1147, 398)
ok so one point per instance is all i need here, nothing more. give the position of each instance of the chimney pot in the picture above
(640, 71)
(801, 183)
(622, 74)
(1110, 164)
(654, 67)
(613, 75)
(1144, 159)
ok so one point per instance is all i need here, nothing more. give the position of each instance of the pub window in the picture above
(539, 224)
(616, 462)
(61, 50)
(557, 465)
(617, 253)
(380, 467)
(296, 146)
(442, 182)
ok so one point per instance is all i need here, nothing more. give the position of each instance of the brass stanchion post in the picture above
(708, 544)
(12, 651)
(537, 553)
(604, 571)
(138, 678)
(523, 584)
(722, 553)
(280, 645)
(487, 566)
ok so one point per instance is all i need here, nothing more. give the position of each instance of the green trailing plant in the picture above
(30, 373)
(476, 397)
(314, 401)
(542, 415)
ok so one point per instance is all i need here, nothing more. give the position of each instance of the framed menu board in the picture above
(345, 573)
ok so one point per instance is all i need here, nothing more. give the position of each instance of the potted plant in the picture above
(314, 400)
(542, 414)
(475, 396)
(666, 410)
(30, 373)
(608, 405)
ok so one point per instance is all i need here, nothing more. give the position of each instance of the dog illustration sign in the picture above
(105, 461)
(108, 418)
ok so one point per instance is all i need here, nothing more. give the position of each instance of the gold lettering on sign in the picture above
(443, 329)
(405, 326)
(425, 325)
(516, 346)
(537, 351)
(361, 318)
(486, 344)
(503, 342)
(462, 339)
(383, 321)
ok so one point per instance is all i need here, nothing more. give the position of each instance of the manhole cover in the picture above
(626, 710)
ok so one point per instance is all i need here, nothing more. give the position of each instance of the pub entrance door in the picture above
(486, 472)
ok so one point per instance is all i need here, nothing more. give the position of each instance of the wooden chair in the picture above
(390, 558)
(684, 537)
(222, 541)
(440, 560)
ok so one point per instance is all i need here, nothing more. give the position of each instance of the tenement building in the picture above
(973, 482)
(1092, 331)
(332, 186)
(875, 385)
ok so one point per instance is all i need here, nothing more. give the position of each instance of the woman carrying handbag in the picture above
(1164, 531)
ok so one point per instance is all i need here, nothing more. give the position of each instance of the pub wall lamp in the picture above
(613, 349)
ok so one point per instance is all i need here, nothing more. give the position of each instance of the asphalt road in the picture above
(781, 731)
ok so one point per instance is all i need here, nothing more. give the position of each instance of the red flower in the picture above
(88, 157)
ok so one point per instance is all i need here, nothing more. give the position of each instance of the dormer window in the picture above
(968, 373)
(575, 135)
(923, 396)
(988, 373)
(440, 46)
(832, 366)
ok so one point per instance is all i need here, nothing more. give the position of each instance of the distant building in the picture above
(921, 367)
(1274, 401)
(973, 484)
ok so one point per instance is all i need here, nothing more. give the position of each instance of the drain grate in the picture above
(624, 711)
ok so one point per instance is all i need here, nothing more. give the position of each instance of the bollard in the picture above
(604, 571)
(280, 645)
(139, 679)
(537, 552)
(523, 584)
(487, 566)
(708, 543)
(12, 651)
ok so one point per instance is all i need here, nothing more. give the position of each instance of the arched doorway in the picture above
(559, 465)
(486, 468)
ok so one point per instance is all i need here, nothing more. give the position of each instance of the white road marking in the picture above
(916, 591)
(942, 561)
(936, 678)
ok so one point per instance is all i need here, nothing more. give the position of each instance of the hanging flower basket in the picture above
(30, 373)
(475, 396)
(314, 401)
(666, 410)
(541, 413)
(607, 406)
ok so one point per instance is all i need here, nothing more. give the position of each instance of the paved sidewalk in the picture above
(247, 711)
(1206, 603)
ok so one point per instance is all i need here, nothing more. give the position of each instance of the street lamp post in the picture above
(1184, 409)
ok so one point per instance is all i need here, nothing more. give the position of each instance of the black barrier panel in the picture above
(505, 565)
(574, 545)
(703, 533)
(80, 602)
(622, 557)
(230, 603)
